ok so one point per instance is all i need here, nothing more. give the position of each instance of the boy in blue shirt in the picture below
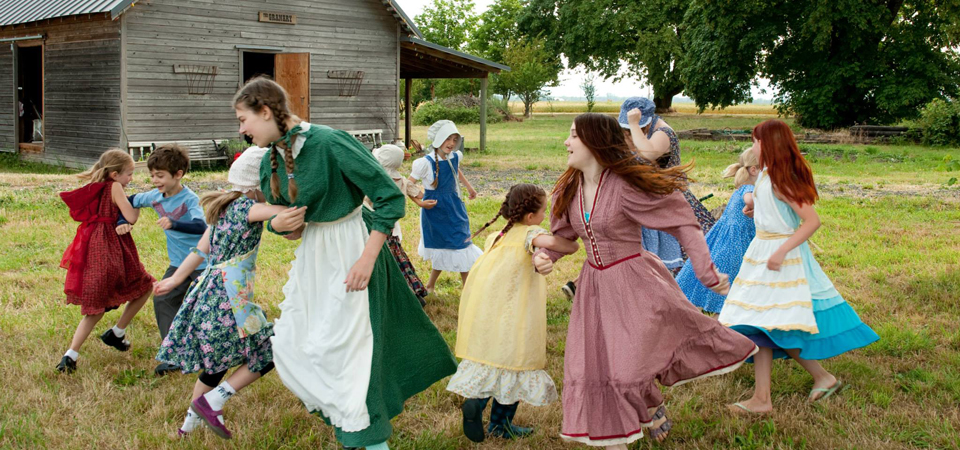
(181, 218)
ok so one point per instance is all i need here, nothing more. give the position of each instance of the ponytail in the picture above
(112, 160)
(740, 170)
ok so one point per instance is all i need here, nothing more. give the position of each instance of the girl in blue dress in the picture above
(444, 225)
(730, 236)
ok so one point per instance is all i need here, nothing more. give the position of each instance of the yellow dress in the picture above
(502, 329)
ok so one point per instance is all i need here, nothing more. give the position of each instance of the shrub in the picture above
(429, 112)
(940, 122)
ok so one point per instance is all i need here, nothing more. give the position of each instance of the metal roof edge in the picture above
(121, 8)
(441, 48)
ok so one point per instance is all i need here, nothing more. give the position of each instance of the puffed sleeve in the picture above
(672, 214)
(420, 169)
(359, 167)
(559, 227)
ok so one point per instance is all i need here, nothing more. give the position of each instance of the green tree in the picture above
(603, 35)
(831, 63)
(589, 88)
(532, 68)
(496, 31)
(448, 23)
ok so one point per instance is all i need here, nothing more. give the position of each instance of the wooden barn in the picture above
(80, 76)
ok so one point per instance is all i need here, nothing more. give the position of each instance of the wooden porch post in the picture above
(483, 114)
(408, 112)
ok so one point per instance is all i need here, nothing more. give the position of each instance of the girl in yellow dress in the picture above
(502, 330)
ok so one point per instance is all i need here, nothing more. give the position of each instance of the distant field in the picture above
(606, 106)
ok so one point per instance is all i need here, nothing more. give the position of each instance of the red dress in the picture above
(103, 269)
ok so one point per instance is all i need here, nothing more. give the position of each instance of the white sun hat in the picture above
(244, 173)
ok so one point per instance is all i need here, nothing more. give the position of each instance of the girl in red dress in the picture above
(103, 268)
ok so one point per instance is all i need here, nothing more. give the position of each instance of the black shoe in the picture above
(423, 303)
(569, 289)
(67, 365)
(117, 342)
(509, 431)
(164, 368)
(473, 419)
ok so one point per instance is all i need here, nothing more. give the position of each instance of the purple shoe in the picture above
(202, 408)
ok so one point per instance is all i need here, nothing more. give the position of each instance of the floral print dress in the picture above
(205, 334)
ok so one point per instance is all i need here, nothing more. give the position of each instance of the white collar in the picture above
(298, 141)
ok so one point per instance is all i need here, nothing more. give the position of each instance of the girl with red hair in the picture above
(781, 299)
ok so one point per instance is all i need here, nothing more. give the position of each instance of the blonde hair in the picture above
(215, 203)
(112, 160)
(740, 171)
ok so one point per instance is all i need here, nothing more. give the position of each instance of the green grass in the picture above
(892, 250)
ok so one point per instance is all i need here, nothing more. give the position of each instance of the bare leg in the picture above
(432, 282)
(463, 277)
(760, 402)
(821, 378)
(83, 330)
(130, 311)
(199, 389)
(242, 378)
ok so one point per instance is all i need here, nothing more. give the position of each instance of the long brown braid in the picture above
(438, 154)
(263, 92)
(522, 199)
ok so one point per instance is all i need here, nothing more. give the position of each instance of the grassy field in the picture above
(889, 241)
(610, 106)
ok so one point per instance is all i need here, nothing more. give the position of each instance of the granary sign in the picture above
(273, 17)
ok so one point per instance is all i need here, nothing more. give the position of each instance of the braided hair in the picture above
(263, 92)
(436, 162)
(522, 199)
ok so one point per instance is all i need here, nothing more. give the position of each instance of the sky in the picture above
(570, 80)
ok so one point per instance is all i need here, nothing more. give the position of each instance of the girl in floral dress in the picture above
(218, 325)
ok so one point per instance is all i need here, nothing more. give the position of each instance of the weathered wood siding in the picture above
(338, 34)
(81, 88)
(7, 100)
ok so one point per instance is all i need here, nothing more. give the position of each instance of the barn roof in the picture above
(15, 12)
(424, 59)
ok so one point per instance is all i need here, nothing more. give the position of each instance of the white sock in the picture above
(72, 354)
(380, 446)
(219, 395)
(191, 422)
(120, 332)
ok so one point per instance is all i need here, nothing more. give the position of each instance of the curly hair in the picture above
(522, 199)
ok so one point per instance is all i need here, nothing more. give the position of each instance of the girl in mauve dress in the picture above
(630, 324)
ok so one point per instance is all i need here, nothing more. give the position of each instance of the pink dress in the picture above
(630, 324)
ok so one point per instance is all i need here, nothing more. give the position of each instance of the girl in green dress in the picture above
(352, 341)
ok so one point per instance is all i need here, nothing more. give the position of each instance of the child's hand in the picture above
(165, 223)
(359, 275)
(543, 264)
(472, 192)
(634, 116)
(428, 204)
(289, 220)
(775, 261)
(723, 287)
(748, 210)
(124, 229)
(164, 286)
(294, 235)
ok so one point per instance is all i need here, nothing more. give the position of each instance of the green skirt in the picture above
(409, 355)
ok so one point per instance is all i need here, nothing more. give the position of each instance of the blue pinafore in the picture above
(446, 225)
